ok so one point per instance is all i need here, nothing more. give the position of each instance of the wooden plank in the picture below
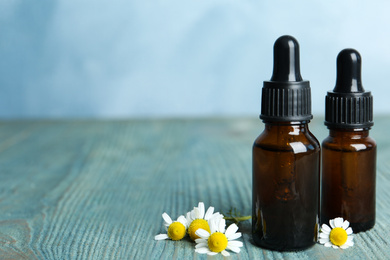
(97, 189)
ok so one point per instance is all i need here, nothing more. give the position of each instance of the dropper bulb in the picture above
(286, 60)
(349, 65)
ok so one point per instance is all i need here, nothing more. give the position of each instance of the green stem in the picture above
(238, 219)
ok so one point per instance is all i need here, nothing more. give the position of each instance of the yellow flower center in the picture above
(338, 236)
(195, 225)
(217, 242)
(176, 230)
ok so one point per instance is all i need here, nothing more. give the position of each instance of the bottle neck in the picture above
(290, 128)
(351, 133)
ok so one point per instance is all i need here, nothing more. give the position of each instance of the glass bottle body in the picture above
(348, 178)
(286, 172)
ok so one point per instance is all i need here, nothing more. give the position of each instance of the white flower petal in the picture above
(202, 250)
(323, 235)
(231, 230)
(221, 225)
(188, 217)
(198, 245)
(350, 238)
(225, 253)
(209, 213)
(338, 222)
(331, 222)
(349, 231)
(161, 237)
(325, 228)
(192, 214)
(202, 233)
(234, 249)
(217, 215)
(349, 243)
(197, 213)
(335, 247)
(167, 218)
(183, 220)
(323, 240)
(201, 240)
(213, 224)
(328, 244)
(211, 253)
(345, 224)
(235, 243)
(234, 236)
(201, 209)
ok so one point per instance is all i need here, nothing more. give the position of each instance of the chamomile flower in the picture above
(197, 218)
(338, 235)
(176, 230)
(219, 239)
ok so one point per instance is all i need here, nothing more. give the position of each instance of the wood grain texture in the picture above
(97, 189)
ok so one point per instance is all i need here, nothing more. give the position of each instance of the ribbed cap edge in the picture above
(290, 101)
(349, 110)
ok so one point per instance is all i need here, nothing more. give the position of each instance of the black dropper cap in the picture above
(286, 97)
(348, 105)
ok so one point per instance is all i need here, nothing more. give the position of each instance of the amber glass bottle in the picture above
(348, 153)
(286, 159)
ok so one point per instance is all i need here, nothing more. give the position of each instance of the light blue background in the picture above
(176, 58)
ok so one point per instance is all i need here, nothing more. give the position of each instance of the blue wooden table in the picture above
(97, 189)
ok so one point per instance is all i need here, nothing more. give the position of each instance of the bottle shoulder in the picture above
(351, 143)
(287, 141)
